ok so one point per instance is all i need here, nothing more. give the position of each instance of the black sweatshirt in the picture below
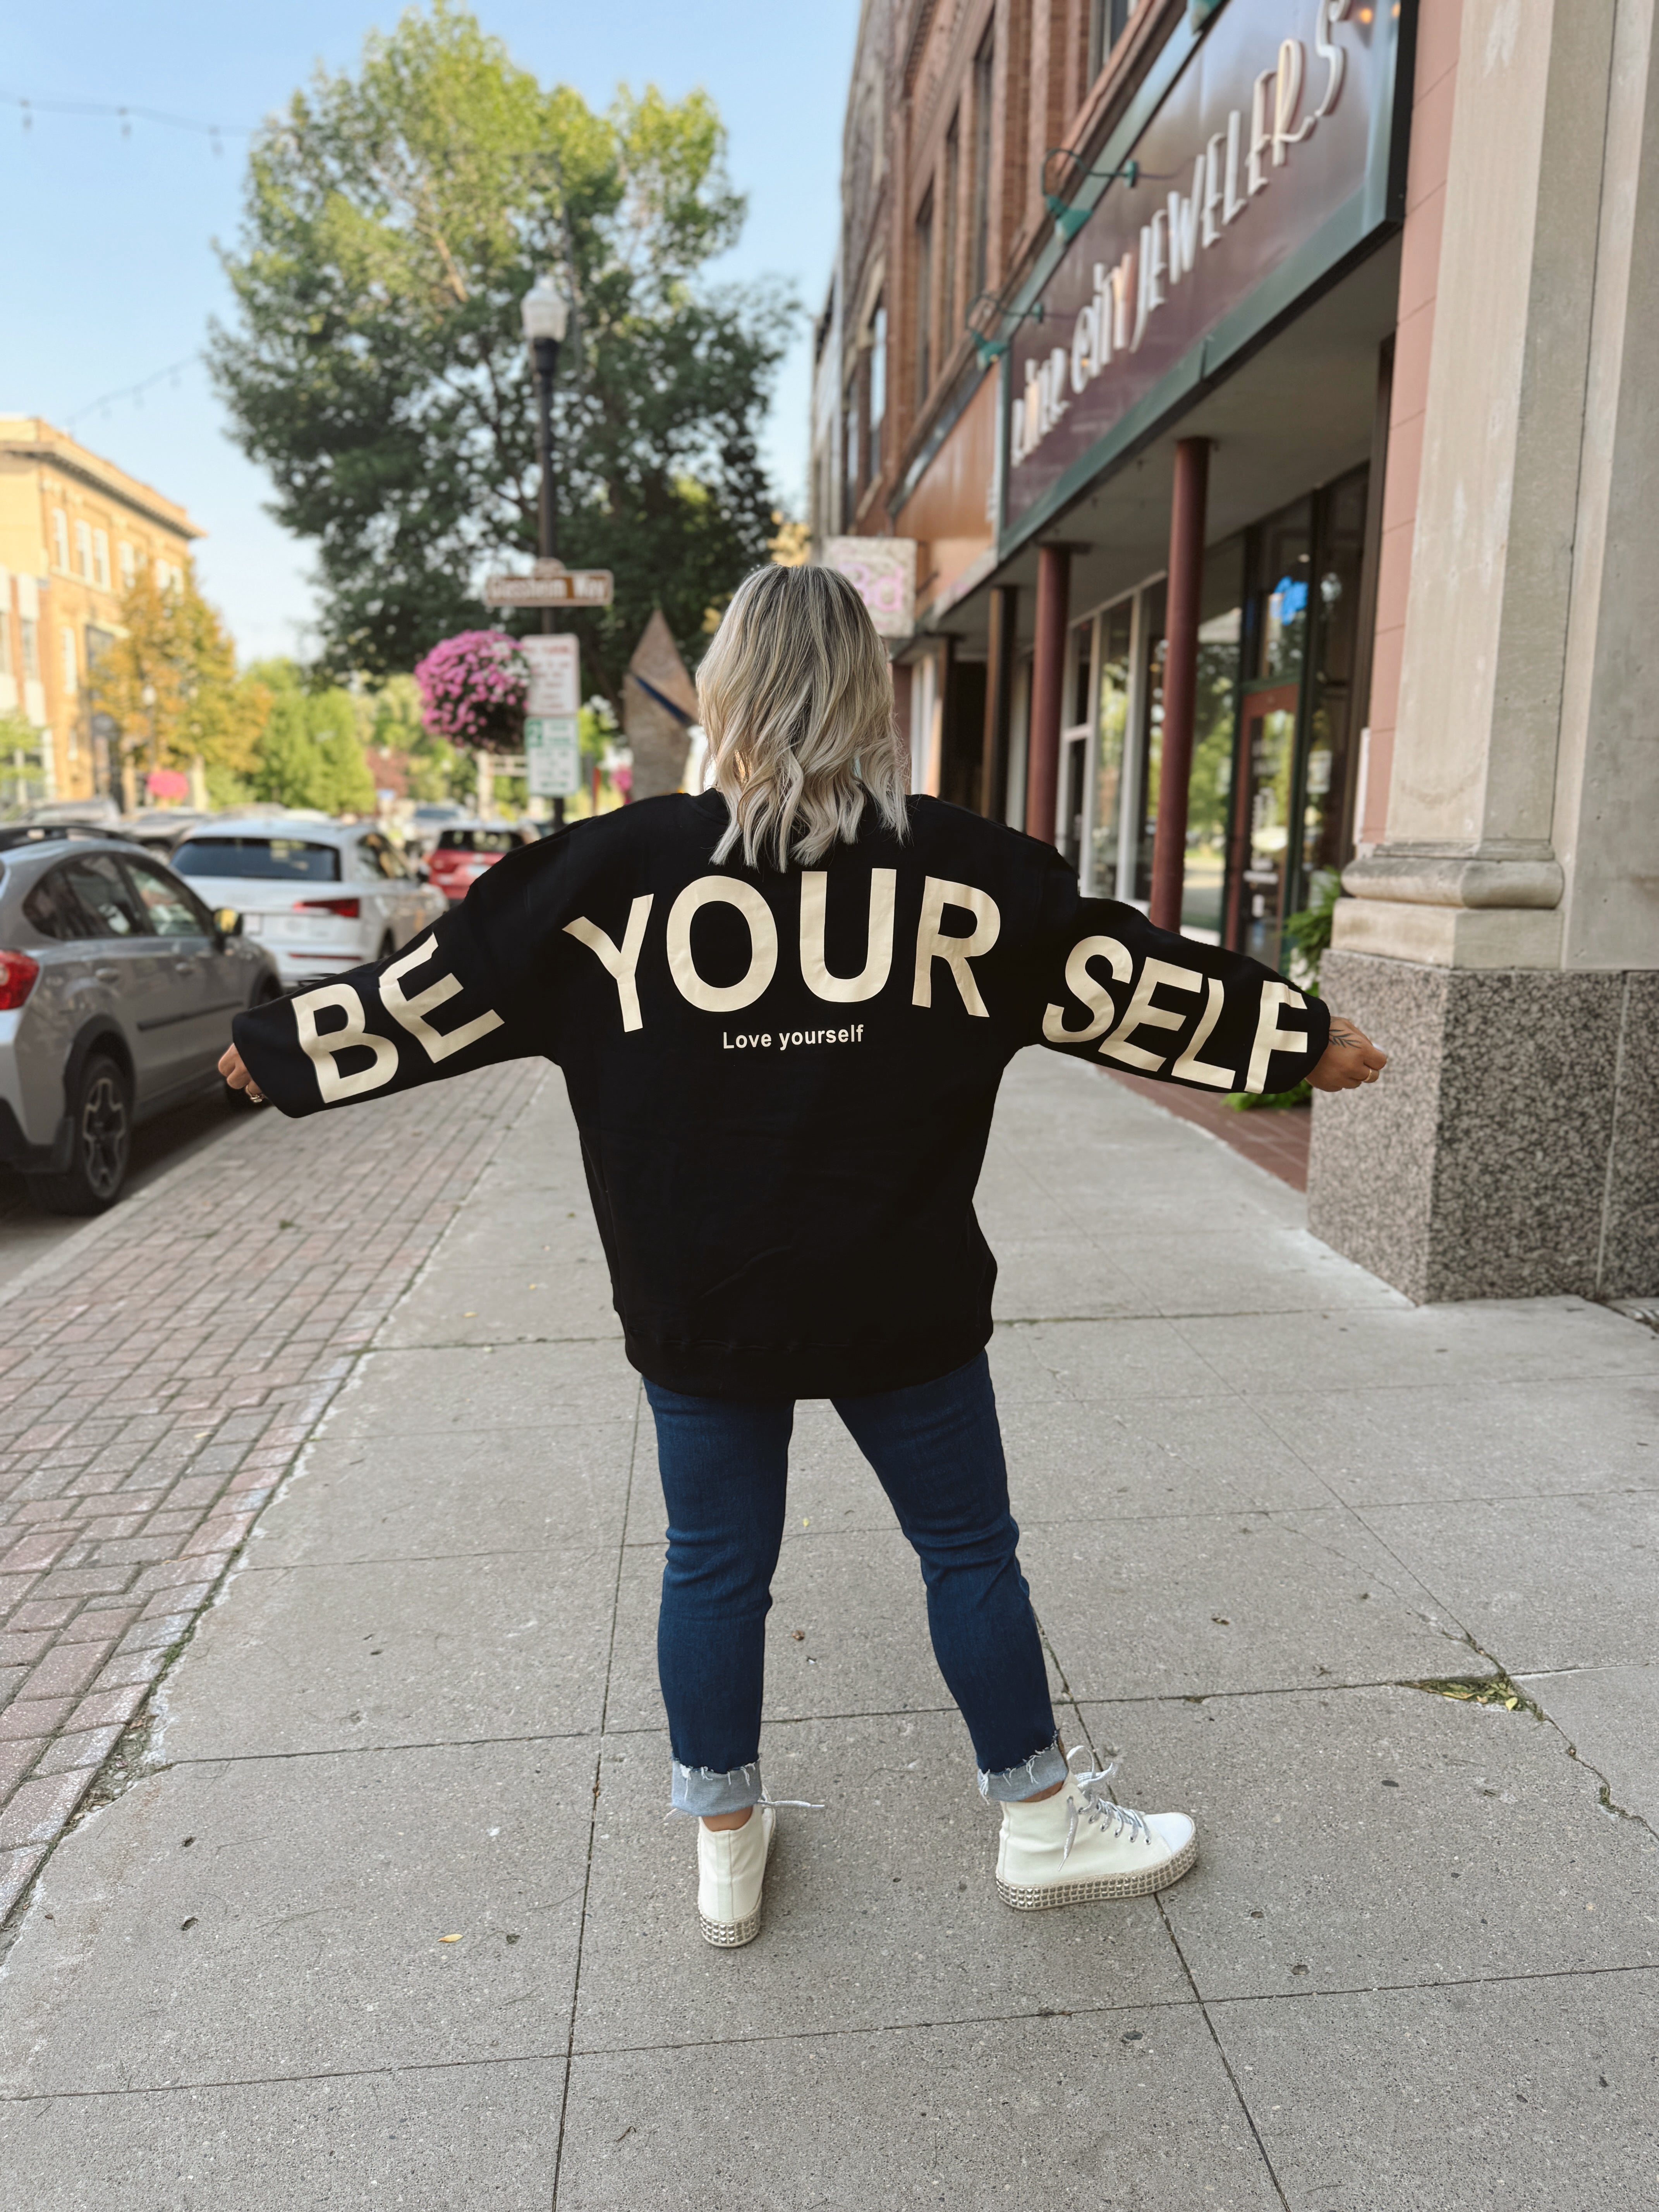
(784, 1082)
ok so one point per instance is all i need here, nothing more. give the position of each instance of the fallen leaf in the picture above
(449, 1939)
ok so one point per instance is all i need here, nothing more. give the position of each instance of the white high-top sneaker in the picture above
(731, 1871)
(1077, 1845)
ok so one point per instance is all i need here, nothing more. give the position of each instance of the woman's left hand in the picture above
(1349, 1059)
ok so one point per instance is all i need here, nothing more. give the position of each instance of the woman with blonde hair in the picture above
(782, 1009)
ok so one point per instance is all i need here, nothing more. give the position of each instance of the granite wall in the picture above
(1511, 1150)
(1630, 1242)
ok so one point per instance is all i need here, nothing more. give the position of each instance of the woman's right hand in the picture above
(234, 1069)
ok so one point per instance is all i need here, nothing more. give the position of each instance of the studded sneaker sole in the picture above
(1052, 1894)
(731, 1935)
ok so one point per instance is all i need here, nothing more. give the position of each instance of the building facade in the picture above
(75, 530)
(1260, 399)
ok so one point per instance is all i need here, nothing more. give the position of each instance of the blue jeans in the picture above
(937, 1452)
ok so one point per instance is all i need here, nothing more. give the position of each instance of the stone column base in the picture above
(1511, 1150)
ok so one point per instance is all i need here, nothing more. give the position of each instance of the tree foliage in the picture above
(390, 718)
(168, 682)
(394, 221)
(309, 752)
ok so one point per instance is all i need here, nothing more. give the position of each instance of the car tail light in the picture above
(17, 974)
(347, 908)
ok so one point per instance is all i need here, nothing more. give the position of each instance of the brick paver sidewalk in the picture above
(157, 1376)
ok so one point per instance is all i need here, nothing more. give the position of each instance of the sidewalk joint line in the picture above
(593, 1803)
(377, 1750)
(1233, 2082)
(1174, 2005)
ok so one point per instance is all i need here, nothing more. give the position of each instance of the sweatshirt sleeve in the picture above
(441, 1006)
(1107, 985)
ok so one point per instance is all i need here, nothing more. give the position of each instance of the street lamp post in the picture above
(546, 311)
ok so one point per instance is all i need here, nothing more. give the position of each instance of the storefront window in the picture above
(1333, 739)
(1074, 747)
(1116, 634)
(1279, 587)
(1290, 816)
(1129, 743)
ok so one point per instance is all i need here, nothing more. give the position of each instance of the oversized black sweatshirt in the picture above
(784, 1082)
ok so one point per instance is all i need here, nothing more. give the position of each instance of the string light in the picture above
(132, 392)
(214, 133)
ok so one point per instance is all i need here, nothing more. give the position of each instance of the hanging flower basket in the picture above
(473, 689)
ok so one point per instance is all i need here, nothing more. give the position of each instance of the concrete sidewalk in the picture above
(395, 1918)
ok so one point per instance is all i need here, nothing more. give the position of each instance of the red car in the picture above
(465, 849)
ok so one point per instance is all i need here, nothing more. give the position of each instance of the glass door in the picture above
(1263, 848)
(1289, 825)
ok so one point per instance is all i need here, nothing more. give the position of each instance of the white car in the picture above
(319, 896)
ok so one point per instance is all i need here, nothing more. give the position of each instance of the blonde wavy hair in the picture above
(797, 702)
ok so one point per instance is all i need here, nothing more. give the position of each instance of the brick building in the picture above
(1253, 390)
(74, 532)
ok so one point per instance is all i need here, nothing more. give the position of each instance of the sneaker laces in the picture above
(1087, 1810)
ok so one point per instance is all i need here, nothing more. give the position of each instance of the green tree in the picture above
(393, 222)
(22, 768)
(168, 681)
(389, 718)
(309, 752)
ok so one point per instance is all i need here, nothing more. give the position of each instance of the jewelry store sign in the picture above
(1262, 161)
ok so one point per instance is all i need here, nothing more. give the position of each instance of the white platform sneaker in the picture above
(731, 1874)
(1077, 1845)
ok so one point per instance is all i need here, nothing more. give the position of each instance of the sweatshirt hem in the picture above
(714, 1370)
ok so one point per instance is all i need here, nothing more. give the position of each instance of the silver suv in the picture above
(117, 990)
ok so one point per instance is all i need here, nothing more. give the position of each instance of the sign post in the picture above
(552, 745)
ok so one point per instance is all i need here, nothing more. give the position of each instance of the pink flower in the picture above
(473, 688)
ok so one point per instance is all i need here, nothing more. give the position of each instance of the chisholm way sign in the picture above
(1265, 164)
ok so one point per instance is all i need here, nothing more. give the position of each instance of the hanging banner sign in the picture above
(1265, 164)
(882, 572)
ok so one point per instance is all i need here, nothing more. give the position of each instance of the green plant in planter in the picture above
(1308, 933)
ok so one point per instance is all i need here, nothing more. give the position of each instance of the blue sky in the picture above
(109, 273)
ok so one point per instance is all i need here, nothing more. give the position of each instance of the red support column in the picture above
(1192, 473)
(1048, 691)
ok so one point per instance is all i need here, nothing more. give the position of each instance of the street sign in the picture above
(570, 587)
(553, 755)
(555, 675)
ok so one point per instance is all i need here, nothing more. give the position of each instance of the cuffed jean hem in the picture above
(1039, 1771)
(699, 1789)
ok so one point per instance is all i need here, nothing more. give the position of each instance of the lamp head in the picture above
(546, 308)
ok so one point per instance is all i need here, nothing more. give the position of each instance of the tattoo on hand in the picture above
(1349, 1040)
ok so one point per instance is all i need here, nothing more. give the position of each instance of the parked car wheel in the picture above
(102, 1115)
